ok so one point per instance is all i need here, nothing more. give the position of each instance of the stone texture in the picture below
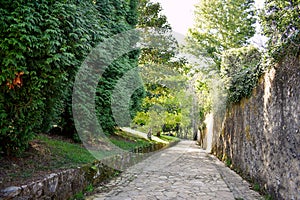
(12, 191)
(183, 171)
(261, 135)
(65, 184)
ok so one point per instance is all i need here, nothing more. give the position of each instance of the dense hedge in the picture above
(122, 16)
(42, 44)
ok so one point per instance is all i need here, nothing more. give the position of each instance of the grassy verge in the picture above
(66, 154)
(169, 138)
(47, 154)
(128, 141)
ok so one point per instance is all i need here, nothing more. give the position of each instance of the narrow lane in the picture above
(183, 171)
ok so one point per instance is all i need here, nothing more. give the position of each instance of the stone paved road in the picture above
(183, 171)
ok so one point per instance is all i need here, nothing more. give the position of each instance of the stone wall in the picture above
(67, 183)
(260, 136)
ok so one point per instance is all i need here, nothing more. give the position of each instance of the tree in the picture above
(221, 25)
(150, 17)
(42, 45)
(281, 22)
(161, 69)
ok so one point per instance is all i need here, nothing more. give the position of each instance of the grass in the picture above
(65, 153)
(256, 187)
(128, 141)
(268, 197)
(47, 154)
(80, 195)
(169, 138)
(128, 145)
(51, 153)
(228, 162)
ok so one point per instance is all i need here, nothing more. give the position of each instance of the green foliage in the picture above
(46, 41)
(169, 138)
(164, 109)
(281, 22)
(128, 141)
(122, 16)
(161, 109)
(203, 91)
(74, 154)
(80, 195)
(221, 25)
(130, 145)
(268, 197)
(150, 15)
(228, 162)
(256, 187)
(151, 18)
(142, 118)
(89, 188)
(240, 70)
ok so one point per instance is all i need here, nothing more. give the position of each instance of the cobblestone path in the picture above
(183, 171)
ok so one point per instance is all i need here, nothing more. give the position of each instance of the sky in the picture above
(180, 13)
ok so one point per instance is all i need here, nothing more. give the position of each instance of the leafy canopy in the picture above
(281, 24)
(221, 25)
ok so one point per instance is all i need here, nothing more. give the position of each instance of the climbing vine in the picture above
(240, 70)
(42, 45)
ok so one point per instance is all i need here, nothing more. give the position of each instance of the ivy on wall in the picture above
(240, 70)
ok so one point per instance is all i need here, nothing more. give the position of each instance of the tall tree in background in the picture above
(221, 25)
(158, 66)
(150, 17)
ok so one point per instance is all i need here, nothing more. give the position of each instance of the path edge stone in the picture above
(65, 184)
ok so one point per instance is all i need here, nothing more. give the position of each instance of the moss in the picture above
(247, 131)
(223, 132)
(228, 162)
(243, 103)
